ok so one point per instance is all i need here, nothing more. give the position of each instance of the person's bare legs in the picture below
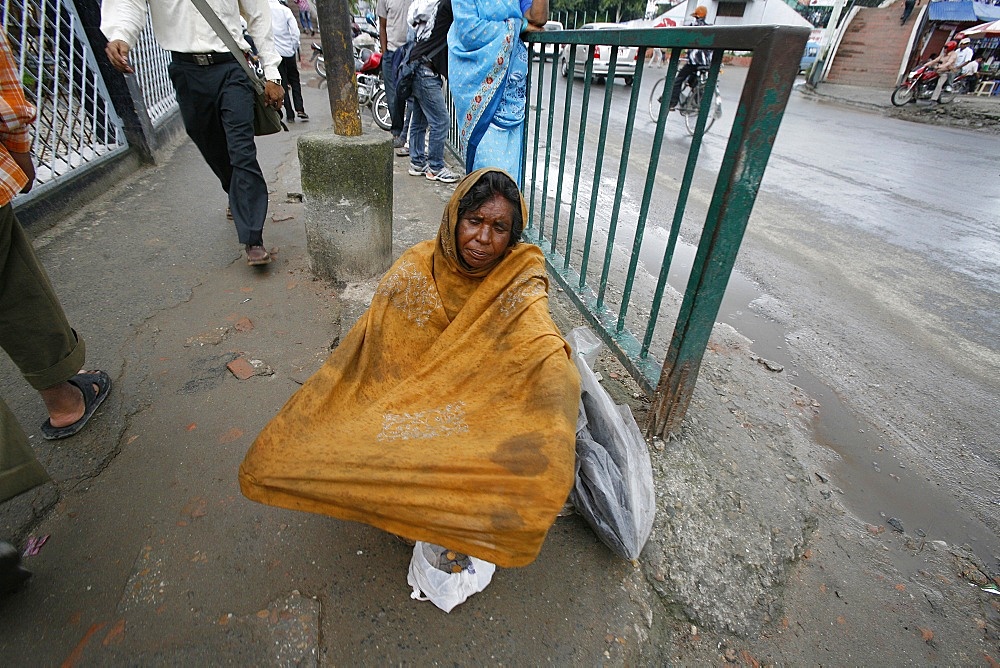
(64, 403)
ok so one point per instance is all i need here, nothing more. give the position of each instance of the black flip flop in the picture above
(91, 400)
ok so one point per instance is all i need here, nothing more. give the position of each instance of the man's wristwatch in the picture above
(275, 81)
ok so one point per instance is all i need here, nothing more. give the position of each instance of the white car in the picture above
(548, 50)
(624, 68)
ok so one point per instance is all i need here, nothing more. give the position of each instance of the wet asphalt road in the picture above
(871, 270)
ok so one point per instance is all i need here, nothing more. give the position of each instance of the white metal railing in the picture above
(150, 64)
(77, 126)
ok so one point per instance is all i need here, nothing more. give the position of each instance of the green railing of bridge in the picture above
(568, 177)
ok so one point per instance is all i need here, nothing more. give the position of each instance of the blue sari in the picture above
(487, 72)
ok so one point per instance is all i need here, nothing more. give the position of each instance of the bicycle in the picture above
(690, 102)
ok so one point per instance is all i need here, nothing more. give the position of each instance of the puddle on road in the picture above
(876, 485)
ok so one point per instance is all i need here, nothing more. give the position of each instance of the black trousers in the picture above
(216, 103)
(683, 73)
(289, 71)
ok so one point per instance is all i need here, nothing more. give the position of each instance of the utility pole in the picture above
(824, 50)
(338, 53)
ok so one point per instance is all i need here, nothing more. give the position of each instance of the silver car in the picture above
(548, 51)
(624, 69)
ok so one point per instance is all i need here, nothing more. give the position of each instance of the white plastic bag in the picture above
(613, 490)
(445, 590)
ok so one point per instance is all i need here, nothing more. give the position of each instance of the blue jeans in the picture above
(428, 111)
(306, 20)
(389, 79)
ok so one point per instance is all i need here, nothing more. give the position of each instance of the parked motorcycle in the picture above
(920, 84)
(371, 88)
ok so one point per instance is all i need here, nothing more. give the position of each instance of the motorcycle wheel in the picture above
(380, 110)
(947, 96)
(902, 95)
(321, 66)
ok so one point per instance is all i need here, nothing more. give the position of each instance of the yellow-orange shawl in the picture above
(447, 414)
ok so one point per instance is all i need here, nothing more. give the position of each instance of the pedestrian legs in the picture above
(908, 6)
(418, 135)
(395, 110)
(36, 335)
(216, 104)
(289, 70)
(429, 97)
(306, 19)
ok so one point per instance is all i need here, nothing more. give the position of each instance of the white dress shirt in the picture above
(285, 29)
(179, 26)
(965, 55)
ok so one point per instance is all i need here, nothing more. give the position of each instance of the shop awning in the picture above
(951, 11)
(961, 11)
(986, 12)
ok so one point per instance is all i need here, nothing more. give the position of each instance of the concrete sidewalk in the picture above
(154, 557)
(978, 113)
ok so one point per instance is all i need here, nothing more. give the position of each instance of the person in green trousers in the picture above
(34, 330)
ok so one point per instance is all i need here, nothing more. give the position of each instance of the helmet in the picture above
(951, 46)
(700, 12)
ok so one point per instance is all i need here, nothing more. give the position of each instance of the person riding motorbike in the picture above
(944, 65)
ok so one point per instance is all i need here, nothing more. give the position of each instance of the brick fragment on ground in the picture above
(244, 368)
(241, 368)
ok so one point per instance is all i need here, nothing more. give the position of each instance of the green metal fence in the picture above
(594, 190)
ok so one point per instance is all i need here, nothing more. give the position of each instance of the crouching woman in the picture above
(448, 413)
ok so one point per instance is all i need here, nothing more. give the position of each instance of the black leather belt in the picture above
(203, 58)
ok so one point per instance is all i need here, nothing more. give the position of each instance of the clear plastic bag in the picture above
(613, 490)
(431, 583)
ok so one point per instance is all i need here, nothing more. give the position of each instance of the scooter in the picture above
(371, 88)
(919, 85)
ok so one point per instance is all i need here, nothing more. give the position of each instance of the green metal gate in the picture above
(563, 172)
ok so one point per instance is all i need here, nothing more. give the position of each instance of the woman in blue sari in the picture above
(488, 68)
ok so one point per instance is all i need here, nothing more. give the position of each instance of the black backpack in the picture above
(406, 70)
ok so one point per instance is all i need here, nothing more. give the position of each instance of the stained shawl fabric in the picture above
(447, 414)
(488, 68)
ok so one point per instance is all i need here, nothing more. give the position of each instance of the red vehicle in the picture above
(920, 84)
(371, 88)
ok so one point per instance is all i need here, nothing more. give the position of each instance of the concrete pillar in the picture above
(347, 184)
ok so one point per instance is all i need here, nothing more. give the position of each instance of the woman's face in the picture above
(484, 234)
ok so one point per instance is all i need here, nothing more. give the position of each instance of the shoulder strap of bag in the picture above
(223, 33)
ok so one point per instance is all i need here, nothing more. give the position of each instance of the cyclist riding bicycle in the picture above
(696, 58)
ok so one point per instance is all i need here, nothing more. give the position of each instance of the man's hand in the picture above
(23, 161)
(274, 94)
(117, 52)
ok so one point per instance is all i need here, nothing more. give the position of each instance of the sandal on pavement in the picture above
(257, 255)
(91, 400)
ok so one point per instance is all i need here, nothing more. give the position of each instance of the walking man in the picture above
(430, 20)
(908, 6)
(392, 27)
(215, 96)
(33, 328)
(286, 43)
